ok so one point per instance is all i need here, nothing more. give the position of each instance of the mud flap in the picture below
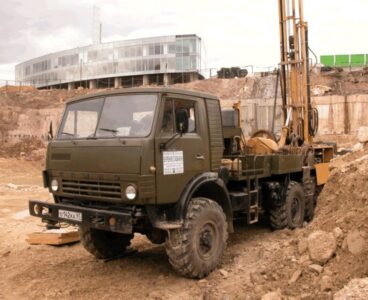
(322, 172)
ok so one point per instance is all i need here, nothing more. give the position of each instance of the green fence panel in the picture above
(342, 60)
(327, 60)
(357, 60)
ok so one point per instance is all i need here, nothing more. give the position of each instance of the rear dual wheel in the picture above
(290, 212)
(312, 193)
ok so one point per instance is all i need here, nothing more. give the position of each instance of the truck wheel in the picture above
(156, 236)
(290, 212)
(104, 244)
(310, 201)
(196, 248)
(278, 217)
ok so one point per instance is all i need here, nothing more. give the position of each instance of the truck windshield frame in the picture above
(122, 116)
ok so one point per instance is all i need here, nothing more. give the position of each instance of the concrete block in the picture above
(363, 134)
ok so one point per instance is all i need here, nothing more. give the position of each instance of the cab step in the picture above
(247, 202)
(253, 213)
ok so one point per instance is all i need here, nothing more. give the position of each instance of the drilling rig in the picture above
(300, 117)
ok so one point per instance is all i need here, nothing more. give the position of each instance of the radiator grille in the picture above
(92, 188)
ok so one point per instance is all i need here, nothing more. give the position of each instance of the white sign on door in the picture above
(173, 162)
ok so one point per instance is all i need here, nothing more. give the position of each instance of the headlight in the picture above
(36, 209)
(130, 192)
(54, 185)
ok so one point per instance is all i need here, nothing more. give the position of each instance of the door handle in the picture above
(199, 157)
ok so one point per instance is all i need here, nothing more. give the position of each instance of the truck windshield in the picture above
(120, 116)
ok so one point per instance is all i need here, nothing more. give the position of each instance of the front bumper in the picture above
(117, 221)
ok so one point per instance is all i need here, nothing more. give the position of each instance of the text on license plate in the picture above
(70, 215)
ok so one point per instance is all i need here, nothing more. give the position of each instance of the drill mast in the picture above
(299, 117)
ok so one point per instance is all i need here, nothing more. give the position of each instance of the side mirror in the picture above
(50, 134)
(182, 120)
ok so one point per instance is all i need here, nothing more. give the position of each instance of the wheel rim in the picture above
(295, 209)
(207, 240)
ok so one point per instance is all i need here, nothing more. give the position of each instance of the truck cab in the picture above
(136, 147)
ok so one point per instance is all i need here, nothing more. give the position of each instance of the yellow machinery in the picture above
(301, 119)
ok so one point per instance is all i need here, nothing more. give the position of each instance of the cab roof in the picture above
(138, 90)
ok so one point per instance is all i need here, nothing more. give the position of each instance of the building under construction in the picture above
(156, 60)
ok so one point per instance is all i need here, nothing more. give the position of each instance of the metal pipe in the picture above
(288, 118)
(283, 57)
(275, 101)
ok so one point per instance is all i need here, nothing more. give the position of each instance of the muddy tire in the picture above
(196, 249)
(290, 212)
(278, 217)
(310, 199)
(104, 244)
(318, 191)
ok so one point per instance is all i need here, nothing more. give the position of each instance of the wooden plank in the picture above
(54, 237)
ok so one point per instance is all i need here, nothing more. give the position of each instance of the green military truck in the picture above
(164, 162)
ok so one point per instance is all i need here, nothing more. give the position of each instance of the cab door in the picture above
(180, 156)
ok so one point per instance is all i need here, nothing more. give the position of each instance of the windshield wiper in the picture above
(109, 130)
(68, 133)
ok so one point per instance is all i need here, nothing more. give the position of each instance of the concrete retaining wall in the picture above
(337, 114)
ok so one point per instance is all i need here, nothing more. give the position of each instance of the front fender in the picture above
(207, 185)
(193, 189)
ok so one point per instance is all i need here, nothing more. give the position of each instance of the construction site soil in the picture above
(313, 262)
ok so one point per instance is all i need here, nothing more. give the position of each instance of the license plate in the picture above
(70, 215)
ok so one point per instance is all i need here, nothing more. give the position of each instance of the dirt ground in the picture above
(35, 272)
(256, 261)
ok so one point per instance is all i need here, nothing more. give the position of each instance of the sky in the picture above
(234, 32)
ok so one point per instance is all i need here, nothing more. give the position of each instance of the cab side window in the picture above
(174, 111)
(189, 107)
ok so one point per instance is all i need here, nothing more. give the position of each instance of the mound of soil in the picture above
(342, 82)
(222, 88)
(344, 199)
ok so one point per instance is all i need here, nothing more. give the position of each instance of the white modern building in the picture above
(156, 60)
